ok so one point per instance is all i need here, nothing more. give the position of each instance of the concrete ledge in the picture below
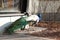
(9, 15)
(10, 12)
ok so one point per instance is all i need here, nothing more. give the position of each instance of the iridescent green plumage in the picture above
(20, 23)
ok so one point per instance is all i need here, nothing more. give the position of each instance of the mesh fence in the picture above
(51, 16)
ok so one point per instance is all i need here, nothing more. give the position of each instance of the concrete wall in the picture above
(50, 9)
(42, 6)
(49, 6)
(33, 6)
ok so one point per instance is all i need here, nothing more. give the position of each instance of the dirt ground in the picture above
(24, 35)
(52, 31)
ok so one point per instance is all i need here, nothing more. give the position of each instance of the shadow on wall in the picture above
(4, 26)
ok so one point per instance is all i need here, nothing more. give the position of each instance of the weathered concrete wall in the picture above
(49, 8)
(43, 6)
(33, 6)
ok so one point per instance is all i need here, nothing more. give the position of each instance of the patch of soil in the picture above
(47, 34)
(49, 24)
(53, 30)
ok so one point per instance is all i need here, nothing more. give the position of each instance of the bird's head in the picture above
(40, 16)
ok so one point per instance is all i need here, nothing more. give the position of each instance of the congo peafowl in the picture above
(22, 23)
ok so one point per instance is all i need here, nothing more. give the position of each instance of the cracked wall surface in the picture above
(50, 9)
(50, 6)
